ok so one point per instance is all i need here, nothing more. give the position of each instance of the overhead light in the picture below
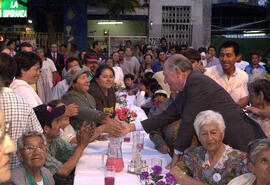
(30, 21)
(110, 22)
(254, 35)
(253, 31)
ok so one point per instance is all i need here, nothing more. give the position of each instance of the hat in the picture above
(69, 74)
(161, 92)
(91, 60)
(46, 114)
(78, 72)
(148, 71)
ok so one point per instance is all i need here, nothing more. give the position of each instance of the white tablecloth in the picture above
(89, 169)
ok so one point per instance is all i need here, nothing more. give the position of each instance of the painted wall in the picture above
(75, 24)
(128, 28)
(200, 19)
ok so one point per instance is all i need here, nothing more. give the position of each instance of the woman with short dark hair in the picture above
(27, 74)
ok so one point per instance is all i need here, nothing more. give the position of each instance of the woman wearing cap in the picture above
(101, 89)
(258, 163)
(213, 162)
(87, 105)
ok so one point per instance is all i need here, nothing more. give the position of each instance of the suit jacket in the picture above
(202, 93)
(59, 63)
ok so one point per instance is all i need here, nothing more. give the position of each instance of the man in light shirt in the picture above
(232, 79)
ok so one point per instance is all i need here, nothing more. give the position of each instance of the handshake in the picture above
(117, 128)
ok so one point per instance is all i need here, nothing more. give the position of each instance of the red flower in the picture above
(118, 111)
(134, 114)
(123, 117)
(125, 110)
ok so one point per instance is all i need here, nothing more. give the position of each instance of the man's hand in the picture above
(72, 110)
(126, 128)
(164, 149)
(173, 161)
(84, 134)
(114, 128)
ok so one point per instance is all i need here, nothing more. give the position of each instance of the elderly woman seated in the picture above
(32, 153)
(259, 97)
(213, 162)
(258, 163)
(87, 105)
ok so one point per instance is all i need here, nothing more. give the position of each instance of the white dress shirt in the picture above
(236, 85)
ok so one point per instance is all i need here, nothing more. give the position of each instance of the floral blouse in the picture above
(195, 162)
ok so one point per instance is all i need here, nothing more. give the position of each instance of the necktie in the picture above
(54, 57)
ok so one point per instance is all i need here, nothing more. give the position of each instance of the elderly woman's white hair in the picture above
(209, 117)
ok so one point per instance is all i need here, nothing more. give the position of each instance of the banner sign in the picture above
(12, 9)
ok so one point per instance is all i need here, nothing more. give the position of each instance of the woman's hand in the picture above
(253, 110)
(72, 110)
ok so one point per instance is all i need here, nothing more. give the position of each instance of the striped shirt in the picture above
(59, 151)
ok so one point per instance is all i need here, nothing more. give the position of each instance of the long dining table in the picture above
(90, 168)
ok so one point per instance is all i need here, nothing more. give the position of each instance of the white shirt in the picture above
(242, 65)
(236, 86)
(45, 80)
(23, 89)
(119, 75)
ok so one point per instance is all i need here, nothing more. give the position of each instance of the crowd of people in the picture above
(210, 113)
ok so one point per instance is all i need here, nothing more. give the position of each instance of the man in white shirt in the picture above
(241, 64)
(232, 79)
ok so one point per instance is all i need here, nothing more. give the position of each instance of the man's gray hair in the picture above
(255, 147)
(20, 141)
(209, 117)
(180, 61)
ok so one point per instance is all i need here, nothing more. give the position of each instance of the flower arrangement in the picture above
(155, 178)
(122, 100)
(118, 86)
(124, 114)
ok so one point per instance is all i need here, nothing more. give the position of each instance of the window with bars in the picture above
(176, 24)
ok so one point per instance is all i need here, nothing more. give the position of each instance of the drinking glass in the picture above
(109, 175)
(156, 162)
(138, 140)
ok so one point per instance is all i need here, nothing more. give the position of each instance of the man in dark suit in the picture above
(197, 93)
(57, 58)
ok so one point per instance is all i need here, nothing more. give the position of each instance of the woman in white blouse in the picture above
(112, 61)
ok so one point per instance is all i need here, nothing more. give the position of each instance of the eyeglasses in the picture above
(31, 148)
(4, 129)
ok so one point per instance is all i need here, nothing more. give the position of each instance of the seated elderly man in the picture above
(258, 163)
(32, 154)
(213, 162)
(62, 156)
